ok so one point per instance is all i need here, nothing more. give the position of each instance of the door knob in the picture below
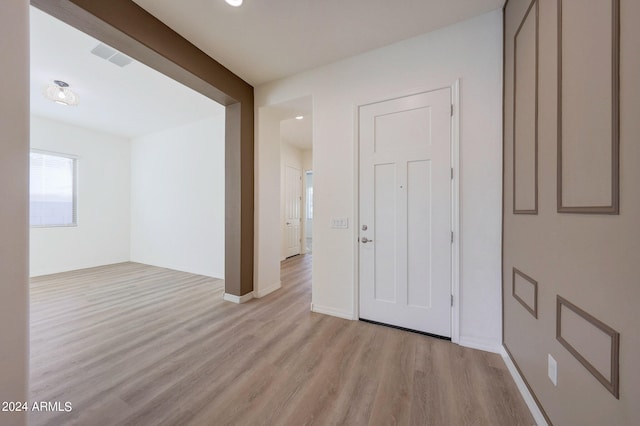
(365, 240)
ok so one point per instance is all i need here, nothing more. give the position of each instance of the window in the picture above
(52, 200)
(309, 195)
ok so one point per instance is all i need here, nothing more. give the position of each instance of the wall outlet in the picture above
(553, 370)
(340, 222)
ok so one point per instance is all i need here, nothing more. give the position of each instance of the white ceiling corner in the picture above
(128, 101)
(260, 41)
(267, 40)
(298, 133)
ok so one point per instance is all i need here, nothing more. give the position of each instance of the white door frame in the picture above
(455, 195)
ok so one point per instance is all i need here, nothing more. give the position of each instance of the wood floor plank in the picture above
(132, 344)
(396, 369)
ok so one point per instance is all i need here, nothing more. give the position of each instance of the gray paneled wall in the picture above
(571, 205)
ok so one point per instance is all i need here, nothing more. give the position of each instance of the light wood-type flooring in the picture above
(131, 344)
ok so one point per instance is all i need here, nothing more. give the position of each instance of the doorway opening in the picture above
(296, 159)
(167, 52)
(145, 150)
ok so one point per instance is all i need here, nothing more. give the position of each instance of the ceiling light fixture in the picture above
(60, 93)
(234, 3)
(299, 117)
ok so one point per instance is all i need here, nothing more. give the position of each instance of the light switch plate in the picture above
(553, 370)
(340, 222)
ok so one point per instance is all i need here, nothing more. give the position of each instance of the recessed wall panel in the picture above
(419, 236)
(579, 248)
(385, 181)
(399, 131)
(591, 341)
(525, 112)
(525, 291)
(588, 46)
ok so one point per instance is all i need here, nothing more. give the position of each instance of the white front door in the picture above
(405, 212)
(293, 200)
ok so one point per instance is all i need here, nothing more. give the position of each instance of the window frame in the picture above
(74, 188)
(308, 190)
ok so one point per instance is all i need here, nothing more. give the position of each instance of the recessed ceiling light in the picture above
(234, 3)
(299, 117)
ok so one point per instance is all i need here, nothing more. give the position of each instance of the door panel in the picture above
(394, 131)
(385, 214)
(293, 200)
(405, 205)
(419, 233)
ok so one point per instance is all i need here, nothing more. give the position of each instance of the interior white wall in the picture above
(177, 198)
(470, 50)
(267, 232)
(14, 193)
(307, 160)
(102, 234)
(289, 156)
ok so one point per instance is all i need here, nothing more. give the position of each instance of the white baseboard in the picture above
(331, 311)
(481, 344)
(262, 293)
(238, 299)
(524, 390)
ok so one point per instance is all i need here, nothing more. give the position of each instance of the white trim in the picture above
(262, 293)
(524, 390)
(333, 312)
(56, 153)
(356, 213)
(455, 202)
(480, 344)
(74, 190)
(238, 299)
(442, 84)
(455, 212)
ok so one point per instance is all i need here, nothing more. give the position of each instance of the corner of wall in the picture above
(528, 397)
(14, 227)
(487, 345)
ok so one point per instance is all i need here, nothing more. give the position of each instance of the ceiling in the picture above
(264, 40)
(260, 41)
(297, 132)
(130, 101)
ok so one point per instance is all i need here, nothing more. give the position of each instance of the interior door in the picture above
(405, 212)
(293, 200)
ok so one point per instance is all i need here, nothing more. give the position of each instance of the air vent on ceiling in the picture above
(105, 52)
(120, 60)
